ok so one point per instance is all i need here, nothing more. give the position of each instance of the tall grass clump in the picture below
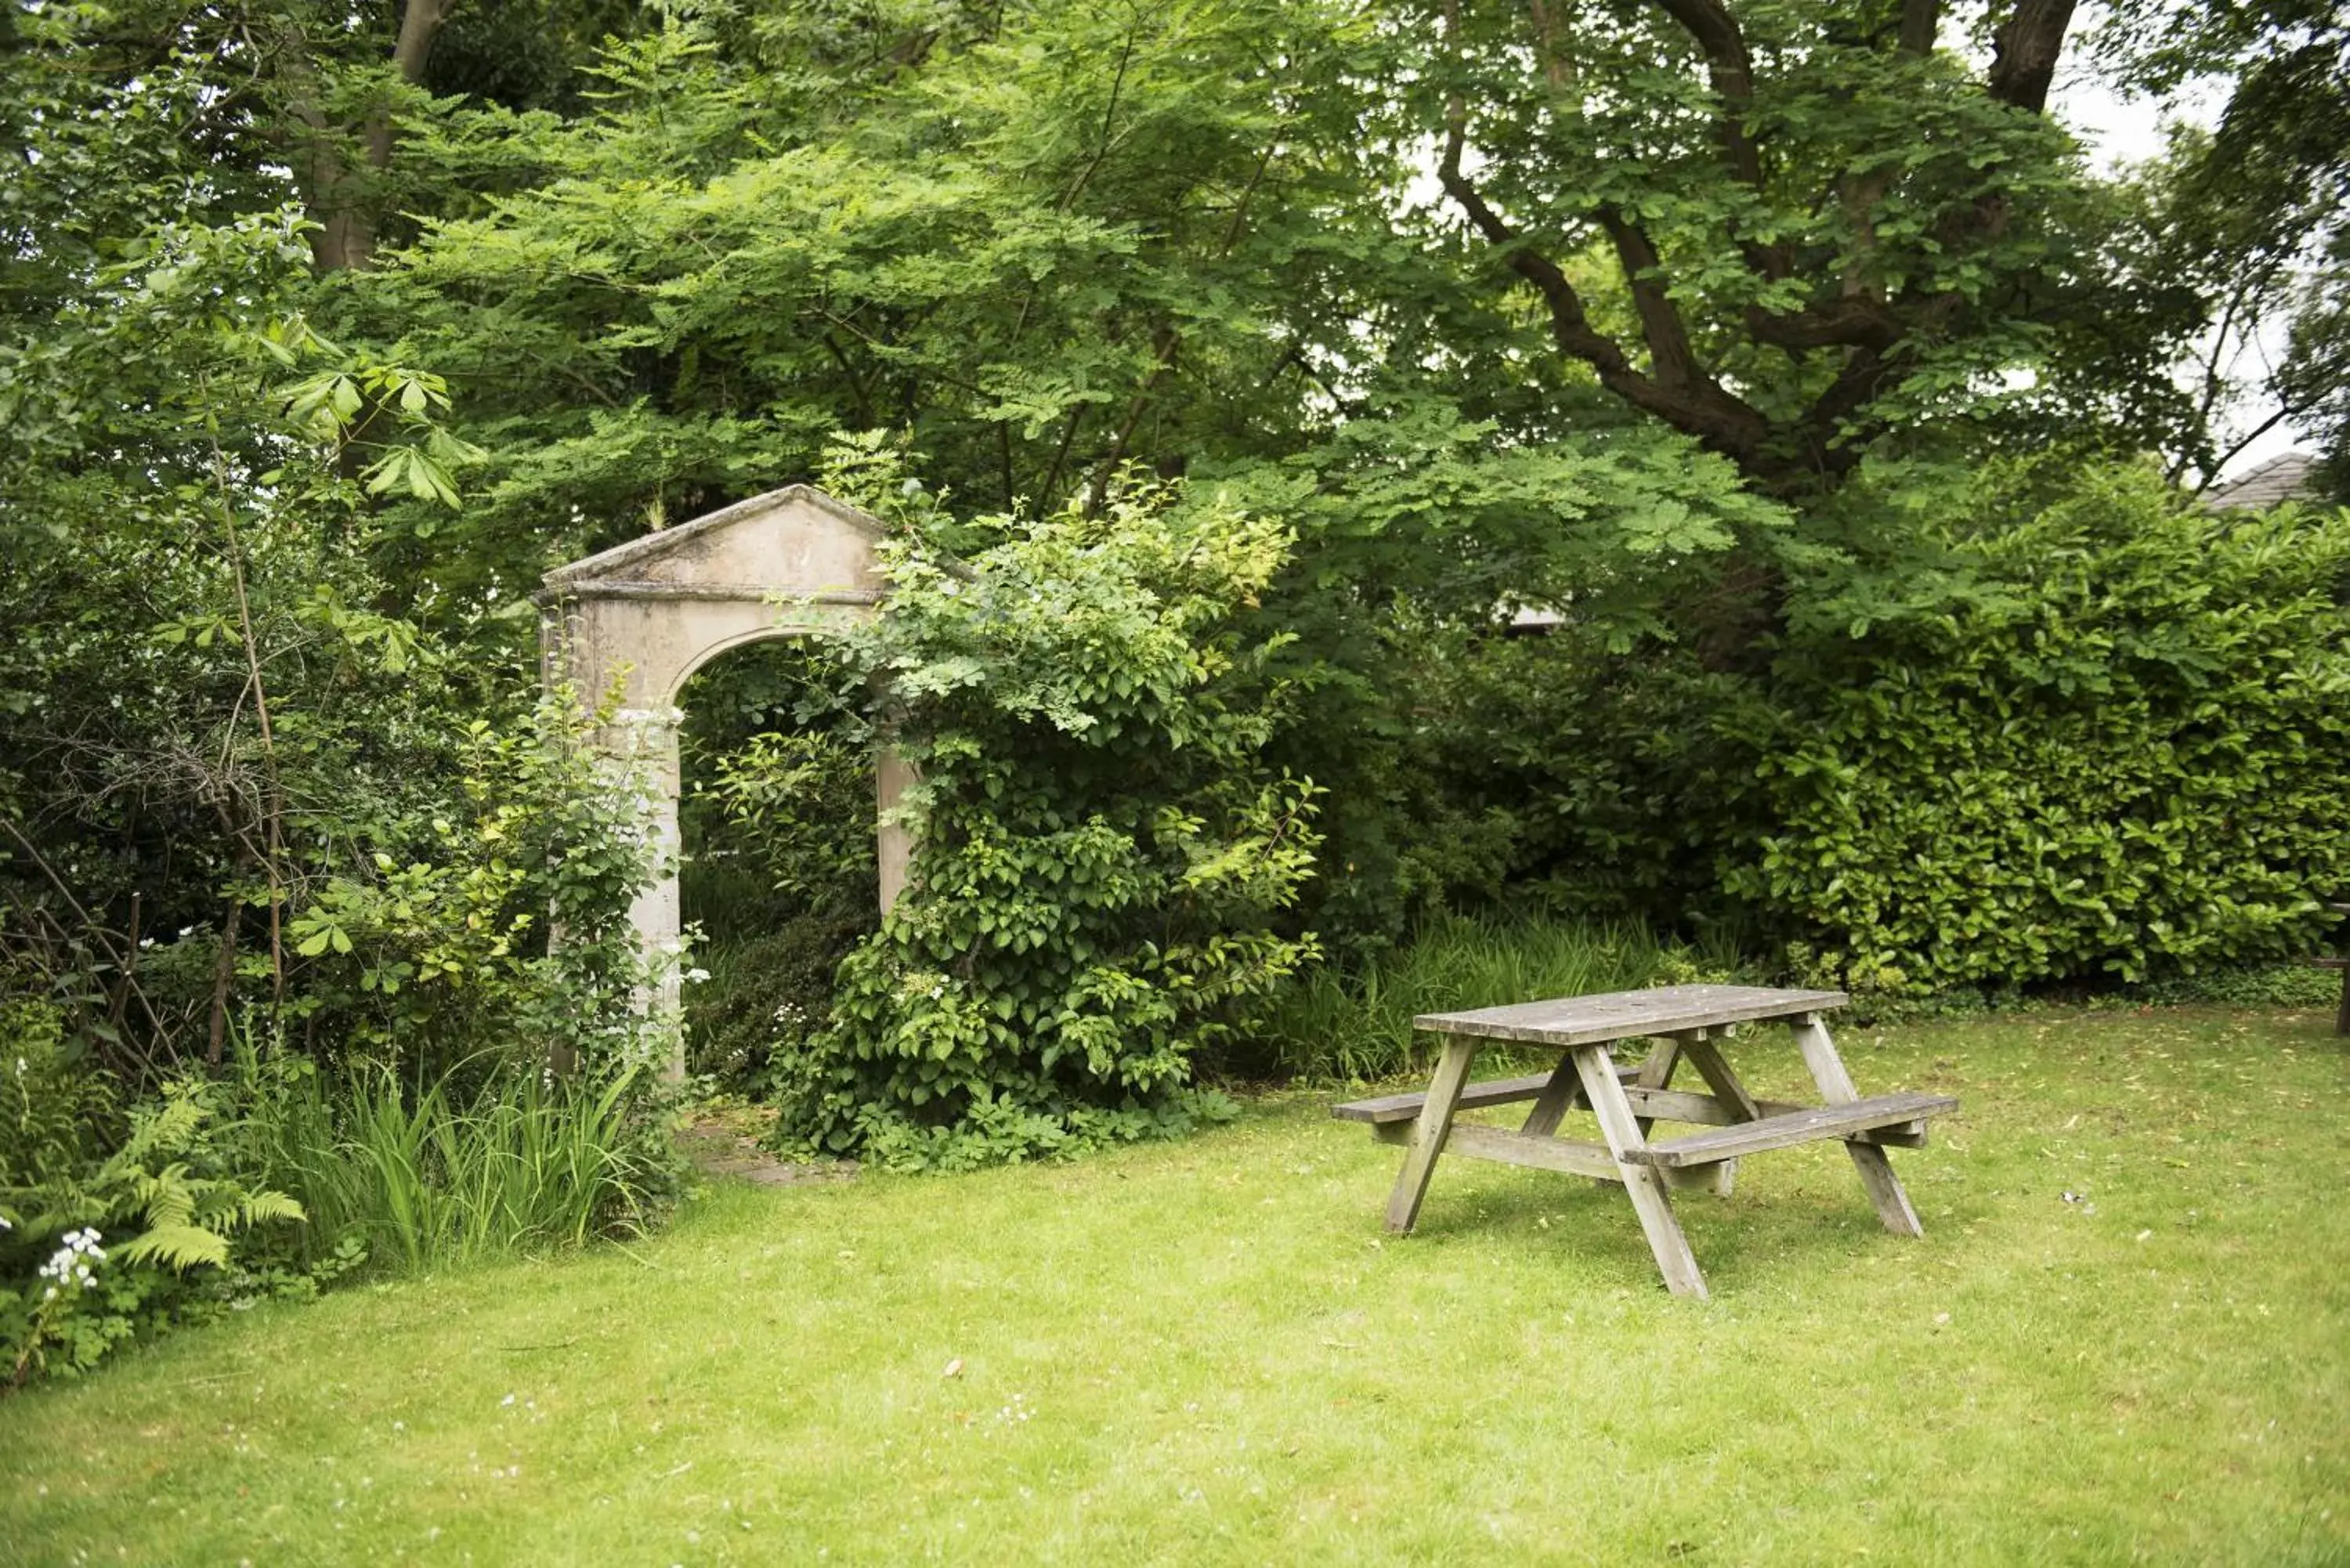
(427, 1176)
(1336, 1025)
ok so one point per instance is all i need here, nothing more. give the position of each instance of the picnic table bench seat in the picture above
(2339, 959)
(1688, 1024)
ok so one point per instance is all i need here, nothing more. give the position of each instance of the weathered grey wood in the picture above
(1630, 1015)
(1390, 1124)
(1474, 1141)
(1836, 1087)
(1475, 1096)
(1704, 1110)
(2326, 962)
(1785, 1131)
(1723, 1080)
(1558, 1097)
(1429, 1132)
(1657, 1073)
(1605, 1092)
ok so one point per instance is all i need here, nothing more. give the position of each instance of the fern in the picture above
(176, 1246)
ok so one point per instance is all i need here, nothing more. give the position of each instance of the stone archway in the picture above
(648, 613)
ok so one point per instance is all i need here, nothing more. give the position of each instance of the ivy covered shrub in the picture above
(1103, 853)
(2072, 725)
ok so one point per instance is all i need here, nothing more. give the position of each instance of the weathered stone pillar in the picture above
(895, 841)
(641, 746)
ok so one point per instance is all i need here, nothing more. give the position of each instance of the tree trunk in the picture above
(339, 173)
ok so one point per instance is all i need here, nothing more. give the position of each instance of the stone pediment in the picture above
(793, 542)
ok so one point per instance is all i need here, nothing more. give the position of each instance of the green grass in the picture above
(1206, 1351)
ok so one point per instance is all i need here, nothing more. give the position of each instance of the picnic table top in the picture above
(1629, 1014)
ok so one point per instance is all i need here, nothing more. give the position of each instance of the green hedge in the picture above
(2092, 729)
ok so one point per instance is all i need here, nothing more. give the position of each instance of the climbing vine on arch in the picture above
(1103, 851)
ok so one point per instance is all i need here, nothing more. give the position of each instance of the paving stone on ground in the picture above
(719, 1147)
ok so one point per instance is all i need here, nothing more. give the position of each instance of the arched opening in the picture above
(779, 865)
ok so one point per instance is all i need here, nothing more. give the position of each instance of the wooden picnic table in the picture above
(1689, 1024)
(2339, 959)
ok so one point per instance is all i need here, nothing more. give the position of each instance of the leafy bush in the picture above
(778, 792)
(766, 997)
(2033, 723)
(247, 787)
(102, 1239)
(1103, 850)
(2074, 725)
(438, 953)
(780, 872)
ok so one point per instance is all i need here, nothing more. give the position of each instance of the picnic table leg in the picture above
(1835, 1086)
(1622, 1131)
(1706, 1056)
(1657, 1073)
(1557, 1098)
(1429, 1134)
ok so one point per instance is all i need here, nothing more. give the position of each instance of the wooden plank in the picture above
(1701, 1110)
(1542, 1153)
(1876, 1170)
(1558, 1097)
(2326, 962)
(1792, 1128)
(1727, 1087)
(1429, 1132)
(1391, 1126)
(1474, 1096)
(1657, 1073)
(1570, 1021)
(1642, 1182)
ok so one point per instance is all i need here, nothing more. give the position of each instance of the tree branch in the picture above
(1701, 409)
(1730, 71)
(1671, 358)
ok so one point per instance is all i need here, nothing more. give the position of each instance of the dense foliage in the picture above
(1103, 848)
(252, 807)
(780, 854)
(2072, 726)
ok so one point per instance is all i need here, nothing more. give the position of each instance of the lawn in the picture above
(2125, 1337)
